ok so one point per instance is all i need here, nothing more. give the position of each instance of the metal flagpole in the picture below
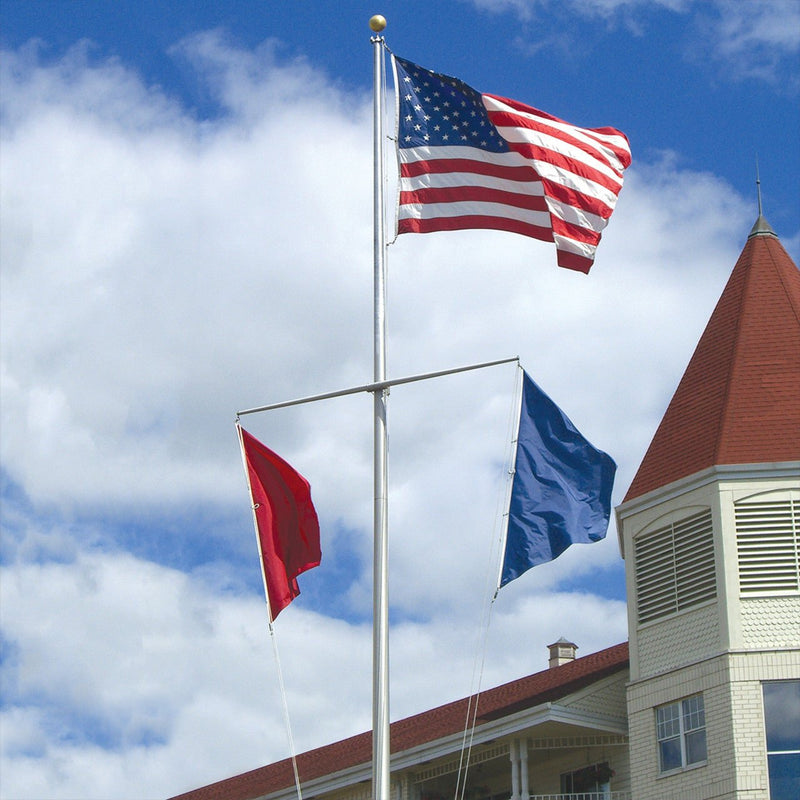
(380, 582)
(380, 391)
(510, 482)
(377, 386)
(255, 521)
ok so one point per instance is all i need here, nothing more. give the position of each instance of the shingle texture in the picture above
(542, 687)
(739, 399)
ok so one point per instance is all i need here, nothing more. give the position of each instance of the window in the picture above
(782, 722)
(588, 783)
(681, 730)
(675, 567)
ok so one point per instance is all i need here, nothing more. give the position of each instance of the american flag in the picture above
(472, 160)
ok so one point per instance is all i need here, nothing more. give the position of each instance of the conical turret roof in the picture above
(739, 399)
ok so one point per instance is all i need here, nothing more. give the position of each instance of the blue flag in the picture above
(561, 492)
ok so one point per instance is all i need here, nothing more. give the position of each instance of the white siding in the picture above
(783, 629)
(675, 641)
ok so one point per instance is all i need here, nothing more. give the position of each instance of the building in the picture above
(710, 532)
(704, 700)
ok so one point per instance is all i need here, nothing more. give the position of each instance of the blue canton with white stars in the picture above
(438, 110)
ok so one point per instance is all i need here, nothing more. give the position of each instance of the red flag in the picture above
(288, 528)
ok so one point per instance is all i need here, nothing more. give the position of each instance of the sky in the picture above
(186, 218)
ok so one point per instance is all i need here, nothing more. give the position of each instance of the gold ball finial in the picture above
(377, 23)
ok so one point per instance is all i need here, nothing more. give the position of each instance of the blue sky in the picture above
(186, 217)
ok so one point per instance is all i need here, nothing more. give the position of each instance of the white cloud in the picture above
(123, 673)
(752, 39)
(604, 8)
(154, 281)
(773, 24)
(121, 668)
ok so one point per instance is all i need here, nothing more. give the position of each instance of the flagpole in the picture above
(255, 522)
(511, 470)
(380, 582)
(378, 386)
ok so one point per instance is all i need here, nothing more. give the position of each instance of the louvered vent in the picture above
(768, 543)
(675, 567)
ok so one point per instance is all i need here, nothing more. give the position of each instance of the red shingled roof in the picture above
(739, 399)
(542, 687)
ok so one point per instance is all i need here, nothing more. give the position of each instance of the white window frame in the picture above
(683, 722)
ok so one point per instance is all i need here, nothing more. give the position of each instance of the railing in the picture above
(584, 796)
(603, 795)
